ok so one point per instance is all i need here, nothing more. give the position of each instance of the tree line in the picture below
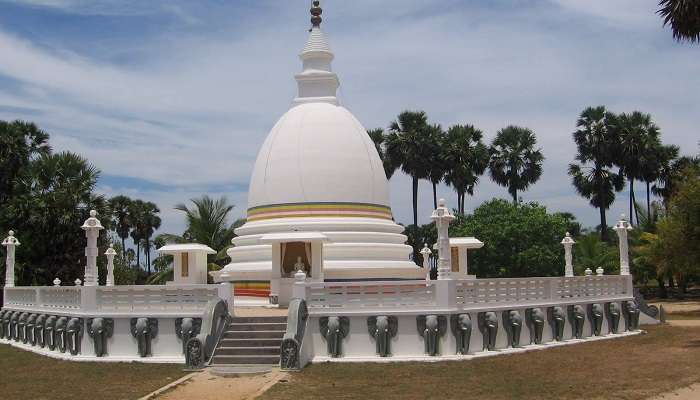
(457, 156)
(611, 149)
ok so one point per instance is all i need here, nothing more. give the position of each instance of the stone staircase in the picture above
(251, 341)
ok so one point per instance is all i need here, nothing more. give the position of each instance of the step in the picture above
(235, 360)
(253, 334)
(250, 342)
(233, 371)
(258, 326)
(255, 320)
(248, 351)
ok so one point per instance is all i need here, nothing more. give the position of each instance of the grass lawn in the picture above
(26, 375)
(631, 368)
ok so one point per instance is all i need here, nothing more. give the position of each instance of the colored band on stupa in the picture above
(317, 210)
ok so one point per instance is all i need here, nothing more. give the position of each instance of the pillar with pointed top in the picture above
(425, 252)
(568, 242)
(10, 243)
(110, 253)
(442, 218)
(622, 227)
(92, 228)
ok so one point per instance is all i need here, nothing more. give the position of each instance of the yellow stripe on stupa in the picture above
(301, 210)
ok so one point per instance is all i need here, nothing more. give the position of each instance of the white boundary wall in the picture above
(406, 300)
(120, 303)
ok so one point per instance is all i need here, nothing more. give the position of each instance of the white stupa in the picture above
(318, 194)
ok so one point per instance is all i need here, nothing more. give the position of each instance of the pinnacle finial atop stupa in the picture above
(316, 12)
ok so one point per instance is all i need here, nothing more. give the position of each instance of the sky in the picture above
(172, 99)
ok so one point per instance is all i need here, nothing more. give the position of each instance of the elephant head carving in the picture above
(60, 333)
(461, 325)
(488, 323)
(14, 326)
(383, 328)
(597, 315)
(30, 331)
(187, 328)
(2, 323)
(513, 323)
(578, 318)
(74, 335)
(39, 330)
(22, 327)
(50, 332)
(558, 318)
(632, 314)
(613, 316)
(144, 330)
(100, 329)
(432, 328)
(535, 319)
(334, 329)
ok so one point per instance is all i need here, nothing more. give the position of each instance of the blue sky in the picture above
(172, 99)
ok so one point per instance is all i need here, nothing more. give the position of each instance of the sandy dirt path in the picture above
(206, 386)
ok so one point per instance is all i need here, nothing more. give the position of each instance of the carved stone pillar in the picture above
(568, 243)
(622, 227)
(110, 253)
(442, 218)
(10, 243)
(425, 252)
(92, 227)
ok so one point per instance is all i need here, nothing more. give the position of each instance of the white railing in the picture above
(370, 294)
(20, 297)
(463, 294)
(59, 297)
(155, 298)
(496, 291)
(116, 299)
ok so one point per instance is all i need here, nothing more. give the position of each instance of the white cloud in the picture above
(194, 106)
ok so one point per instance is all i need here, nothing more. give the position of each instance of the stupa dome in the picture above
(318, 153)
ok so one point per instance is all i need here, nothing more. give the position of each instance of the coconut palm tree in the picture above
(436, 158)
(406, 144)
(515, 163)
(119, 206)
(466, 158)
(638, 136)
(378, 137)
(592, 176)
(684, 18)
(207, 223)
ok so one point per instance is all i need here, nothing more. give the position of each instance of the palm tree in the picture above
(592, 176)
(655, 161)
(436, 158)
(671, 174)
(150, 222)
(638, 136)
(466, 158)
(207, 223)
(136, 217)
(378, 137)
(515, 163)
(20, 142)
(119, 205)
(405, 145)
(684, 18)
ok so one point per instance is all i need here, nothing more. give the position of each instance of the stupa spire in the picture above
(317, 82)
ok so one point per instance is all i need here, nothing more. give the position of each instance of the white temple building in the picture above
(318, 194)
